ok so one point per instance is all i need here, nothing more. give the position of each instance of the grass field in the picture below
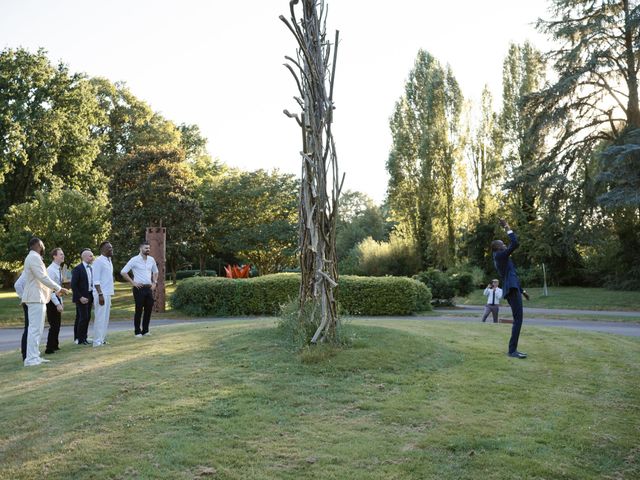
(580, 298)
(122, 306)
(409, 400)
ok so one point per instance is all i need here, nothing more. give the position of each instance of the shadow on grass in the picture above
(402, 402)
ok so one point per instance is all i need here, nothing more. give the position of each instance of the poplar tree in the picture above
(428, 140)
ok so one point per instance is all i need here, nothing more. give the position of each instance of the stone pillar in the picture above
(157, 236)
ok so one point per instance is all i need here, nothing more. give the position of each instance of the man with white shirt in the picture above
(144, 282)
(102, 292)
(82, 286)
(19, 287)
(493, 294)
(36, 294)
(55, 305)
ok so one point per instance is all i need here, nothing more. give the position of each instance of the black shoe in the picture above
(84, 343)
(57, 348)
(49, 352)
(517, 354)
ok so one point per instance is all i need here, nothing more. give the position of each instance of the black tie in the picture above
(493, 301)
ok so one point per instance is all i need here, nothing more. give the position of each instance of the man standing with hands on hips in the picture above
(36, 294)
(507, 270)
(102, 293)
(144, 282)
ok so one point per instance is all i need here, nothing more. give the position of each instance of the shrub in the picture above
(202, 296)
(395, 257)
(463, 283)
(182, 274)
(440, 284)
(382, 295)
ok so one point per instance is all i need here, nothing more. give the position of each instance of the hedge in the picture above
(201, 296)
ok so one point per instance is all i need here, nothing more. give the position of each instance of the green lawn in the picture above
(409, 400)
(571, 297)
(121, 308)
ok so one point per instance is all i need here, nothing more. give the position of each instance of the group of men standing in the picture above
(92, 285)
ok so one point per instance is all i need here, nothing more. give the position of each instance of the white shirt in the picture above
(89, 270)
(142, 270)
(19, 285)
(489, 293)
(55, 273)
(103, 274)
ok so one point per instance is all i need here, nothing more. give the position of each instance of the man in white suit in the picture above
(36, 295)
(102, 292)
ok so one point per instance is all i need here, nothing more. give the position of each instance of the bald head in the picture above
(497, 245)
(87, 256)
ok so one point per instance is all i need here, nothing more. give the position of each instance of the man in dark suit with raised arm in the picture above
(82, 286)
(510, 284)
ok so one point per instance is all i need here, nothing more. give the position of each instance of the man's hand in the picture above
(101, 299)
(63, 292)
(153, 287)
(503, 223)
(84, 300)
(59, 307)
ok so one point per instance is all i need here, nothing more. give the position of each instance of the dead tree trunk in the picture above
(314, 73)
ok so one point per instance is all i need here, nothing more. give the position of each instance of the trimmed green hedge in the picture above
(201, 296)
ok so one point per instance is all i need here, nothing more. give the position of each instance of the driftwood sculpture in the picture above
(314, 72)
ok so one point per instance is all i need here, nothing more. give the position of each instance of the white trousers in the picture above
(101, 320)
(37, 312)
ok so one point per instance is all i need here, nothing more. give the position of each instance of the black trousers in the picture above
(143, 297)
(23, 344)
(514, 297)
(83, 315)
(54, 317)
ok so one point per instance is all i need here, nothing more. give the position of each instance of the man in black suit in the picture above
(511, 284)
(82, 286)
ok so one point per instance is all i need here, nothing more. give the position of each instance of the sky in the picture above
(219, 64)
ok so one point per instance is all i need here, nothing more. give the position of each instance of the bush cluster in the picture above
(201, 296)
(182, 274)
(444, 286)
(395, 257)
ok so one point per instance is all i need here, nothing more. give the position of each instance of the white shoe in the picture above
(76, 341)
(97, 344)
(147, 334)
(139, 335)
(44, 360)
(35, 362)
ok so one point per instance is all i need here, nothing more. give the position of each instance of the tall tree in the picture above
(253, 216)
(68, 219)
(155, 186)
(130, 124)
(49, 122)
(592, 103)
(428, 140)
(485, 155)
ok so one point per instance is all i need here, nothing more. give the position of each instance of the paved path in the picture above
(619, 328)
(558, 311)
(10, 337)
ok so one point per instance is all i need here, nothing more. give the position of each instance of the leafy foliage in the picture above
(253, 214)
(79, 222)
(154, 186)
(50, 128)
(427, 143)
